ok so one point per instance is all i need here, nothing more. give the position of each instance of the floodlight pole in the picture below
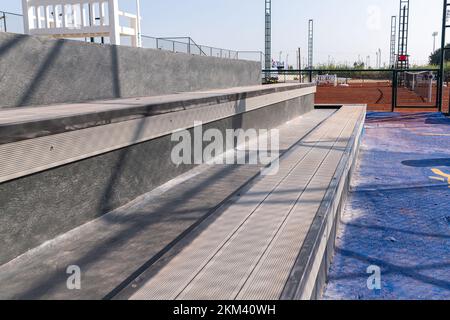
(268, 36)
(310, 44)
(403, 35)
(392, 58)
(435, 34)
(300, 65)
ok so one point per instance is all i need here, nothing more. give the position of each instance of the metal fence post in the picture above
(4, 21)
(442, 55)
(394, 89)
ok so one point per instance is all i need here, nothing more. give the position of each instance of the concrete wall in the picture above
(40, 71)
(38, 207)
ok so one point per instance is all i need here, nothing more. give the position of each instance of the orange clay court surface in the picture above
(377, 95)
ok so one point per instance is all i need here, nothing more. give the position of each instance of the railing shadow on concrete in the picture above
(133, 222)
(134, 227)
(40, 74)
(388, 268)
(11, 44)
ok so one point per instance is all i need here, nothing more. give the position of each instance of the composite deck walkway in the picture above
(249, 249)
(118, 245)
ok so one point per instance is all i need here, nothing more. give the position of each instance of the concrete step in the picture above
(115, 249)
(249, 249)
(62, 166)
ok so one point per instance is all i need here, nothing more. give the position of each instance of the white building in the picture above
(81, 19)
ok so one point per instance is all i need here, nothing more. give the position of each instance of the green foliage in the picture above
(333, 66)
(435, 57)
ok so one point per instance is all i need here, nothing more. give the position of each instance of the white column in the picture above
(114, 26)
(63, 16)
(102, 13)
(26, 17)
(139, 38)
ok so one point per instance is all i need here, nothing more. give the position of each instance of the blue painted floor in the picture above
(397, 216)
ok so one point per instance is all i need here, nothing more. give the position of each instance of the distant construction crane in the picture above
(310, 44)
(392, 58)
(268, 33)
(403, 58)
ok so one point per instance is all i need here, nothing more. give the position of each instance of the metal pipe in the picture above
(4, 21)
(138, 26)
(394, 90)
(442, 60)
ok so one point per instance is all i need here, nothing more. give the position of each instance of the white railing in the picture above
(80, 19)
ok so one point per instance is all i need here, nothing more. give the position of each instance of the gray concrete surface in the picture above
(127, 241)
(39, 207)
(41, 71)
(24, 123)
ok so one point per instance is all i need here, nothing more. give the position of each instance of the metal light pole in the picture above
(310, 44)
(379, 57)
(435, 34)
(268, 36)
(392, 57)
(300, 65)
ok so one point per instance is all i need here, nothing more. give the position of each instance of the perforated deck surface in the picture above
(113, 247)
(247, 250)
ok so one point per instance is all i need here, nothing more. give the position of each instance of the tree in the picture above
(358, 65)
(435, 57)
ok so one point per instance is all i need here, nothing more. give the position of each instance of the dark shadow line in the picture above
(357, 275)
(93, 254)
(385, 188)
(11, 44)
(39, 76)
(426, 163)
(422, 234)
(119, 239)
(115, 71)
(392, 268)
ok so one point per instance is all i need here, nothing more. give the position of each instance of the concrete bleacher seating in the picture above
(128, 218)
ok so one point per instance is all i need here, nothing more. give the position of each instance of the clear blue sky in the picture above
(344, 29)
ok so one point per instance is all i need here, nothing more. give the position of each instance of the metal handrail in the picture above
(202, 49)
(12, 13)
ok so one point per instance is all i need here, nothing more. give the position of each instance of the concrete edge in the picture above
(22, 130)
(132, 284)
(310, 271)
(56, 201)
(55, 150)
